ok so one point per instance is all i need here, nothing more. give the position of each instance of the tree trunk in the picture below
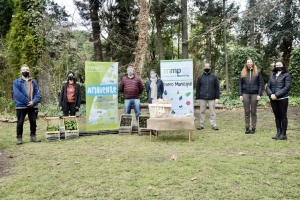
(159, 36)
(142, 44)
(287, 43)
(208, 35)
(94, 9)
(252, 32)
(45, 83)
(185, 53)
(225, 46)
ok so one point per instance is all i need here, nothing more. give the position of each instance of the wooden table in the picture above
(171, 123)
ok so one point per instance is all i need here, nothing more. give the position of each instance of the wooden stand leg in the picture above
(150, 135)
(189, 136)
(156, 133)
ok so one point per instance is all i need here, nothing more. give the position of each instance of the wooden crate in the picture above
(160, 108)
(71, 134)
(52, 135)
(142, 125)
(74, 132)
(70, 118)
(125, 125)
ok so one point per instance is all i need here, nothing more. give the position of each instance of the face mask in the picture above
(25, 74)
(130, 73)
(70, 77)
(278, 69)
(206, 70)
(153, 75)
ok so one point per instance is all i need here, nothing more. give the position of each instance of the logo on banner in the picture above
(178, 72)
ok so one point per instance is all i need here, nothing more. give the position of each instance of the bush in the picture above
(294, 71)
(7, 105)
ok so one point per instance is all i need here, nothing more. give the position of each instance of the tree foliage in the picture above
(294, 71)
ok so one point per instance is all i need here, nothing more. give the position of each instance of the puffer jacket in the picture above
(280, 87)
(131, 87)
(255, 86)
(207, 87)
(160, 89)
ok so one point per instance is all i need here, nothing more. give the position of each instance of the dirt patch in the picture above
(4, 163)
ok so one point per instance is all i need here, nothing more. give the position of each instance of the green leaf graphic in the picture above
(180, 98)
(165, 92)
(188, 94)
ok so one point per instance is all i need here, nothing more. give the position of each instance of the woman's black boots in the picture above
(282, 136)
(276, 137)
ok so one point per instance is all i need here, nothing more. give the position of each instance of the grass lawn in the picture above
(224, 164)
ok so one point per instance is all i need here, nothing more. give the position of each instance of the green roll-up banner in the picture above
(101, 81)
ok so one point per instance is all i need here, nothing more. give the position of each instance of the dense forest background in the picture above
(143, 32)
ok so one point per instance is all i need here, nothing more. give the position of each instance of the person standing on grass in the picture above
(26, 97)
(131, 86)
(207, 92)
(70, 95)
(154, 89)
(250, 91)
(278, 89)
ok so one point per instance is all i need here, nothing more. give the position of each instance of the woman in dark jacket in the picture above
(250, 90)
(70, 97)
(154, 87)
(278, 89)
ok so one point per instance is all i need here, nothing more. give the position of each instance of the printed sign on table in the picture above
(101, 79)
(177, 76)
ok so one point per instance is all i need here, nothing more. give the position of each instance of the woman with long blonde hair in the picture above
(250, 91)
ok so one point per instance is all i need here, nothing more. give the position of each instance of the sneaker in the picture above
(34, 139)
(215, 128)
(200, 127)
(19, 141)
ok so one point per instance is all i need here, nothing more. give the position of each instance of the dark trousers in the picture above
(279, 108)
(70, 107)
(250, 107)
(21, 114)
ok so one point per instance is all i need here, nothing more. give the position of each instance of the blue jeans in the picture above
(128, 103)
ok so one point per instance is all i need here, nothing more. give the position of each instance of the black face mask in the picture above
(206, 70)
(70, 78)
(278, 69)
(25, 74)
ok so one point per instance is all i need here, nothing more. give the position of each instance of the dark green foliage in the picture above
(236, 60)
(294, 71)
(5, 16)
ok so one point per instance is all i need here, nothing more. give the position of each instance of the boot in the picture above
(277, 135)
(252, 131)
(247, 130)
(33, 138)
(19, 141)
(282, 136)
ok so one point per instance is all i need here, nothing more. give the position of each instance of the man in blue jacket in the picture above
(26, 96)
(207, 92)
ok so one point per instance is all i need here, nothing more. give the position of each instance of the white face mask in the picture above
(153, 75)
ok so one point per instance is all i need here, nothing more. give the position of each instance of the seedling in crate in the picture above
(126, 121)
(70, 125)
(143, 122)
(52, 128)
